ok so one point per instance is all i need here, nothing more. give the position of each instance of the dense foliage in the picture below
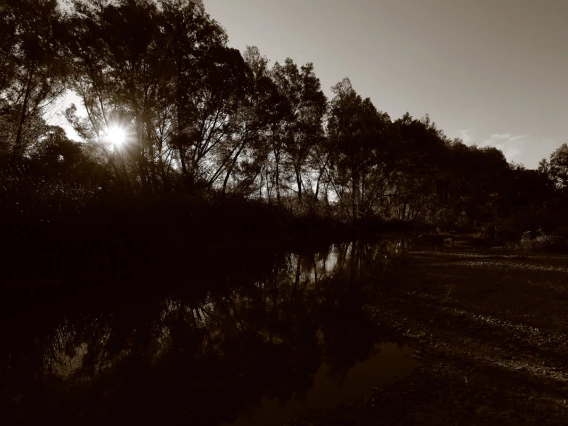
(206, 124)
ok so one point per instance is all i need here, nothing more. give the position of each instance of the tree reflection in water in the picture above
(203, 353)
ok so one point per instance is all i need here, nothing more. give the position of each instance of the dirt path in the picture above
(490, 327)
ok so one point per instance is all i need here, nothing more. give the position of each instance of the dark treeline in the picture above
(219, 143)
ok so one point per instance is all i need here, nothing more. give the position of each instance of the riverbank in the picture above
(489, 326)
(131, 243)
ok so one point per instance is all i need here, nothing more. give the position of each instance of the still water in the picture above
(241, 339)
(389, 363)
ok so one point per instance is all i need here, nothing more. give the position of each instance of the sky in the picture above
(491, 72)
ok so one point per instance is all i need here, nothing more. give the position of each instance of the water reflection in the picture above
(389, 362)
(242, 335)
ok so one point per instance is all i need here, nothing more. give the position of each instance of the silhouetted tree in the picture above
(117, 74)
(164, 73)
(359, 136)
(557, 167)
(205, 88)
(246, 157)
(208, 126)
(33, 63)
(303, 127)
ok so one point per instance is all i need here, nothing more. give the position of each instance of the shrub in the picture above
(542, 242)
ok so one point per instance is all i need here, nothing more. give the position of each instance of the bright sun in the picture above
(116, 135)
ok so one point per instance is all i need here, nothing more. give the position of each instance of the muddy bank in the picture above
(489, 326)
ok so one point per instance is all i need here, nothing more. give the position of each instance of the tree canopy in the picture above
(202, 119)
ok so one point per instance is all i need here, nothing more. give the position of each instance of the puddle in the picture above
(391, 363)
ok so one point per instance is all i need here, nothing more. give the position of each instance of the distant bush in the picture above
(542, 242)
(553, 221)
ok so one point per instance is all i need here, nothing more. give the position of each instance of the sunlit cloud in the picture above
(505, 137)
(518, 137)
(501, 136)
(467, 136)
(510, 145)
(502, 139)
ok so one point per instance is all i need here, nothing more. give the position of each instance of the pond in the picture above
(245, 338)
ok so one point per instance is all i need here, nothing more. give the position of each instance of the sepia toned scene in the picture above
(289, 213)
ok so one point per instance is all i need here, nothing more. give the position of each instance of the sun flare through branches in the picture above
(117, 135)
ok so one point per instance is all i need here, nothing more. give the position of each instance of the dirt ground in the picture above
(490, 327)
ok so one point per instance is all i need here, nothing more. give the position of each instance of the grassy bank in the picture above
(489, 326)
(133, 242)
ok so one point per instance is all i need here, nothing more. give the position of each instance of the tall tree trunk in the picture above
(319, 180)
(151, 152)
(182, 159)
(354, 191)
(231, 166)
(18, 150)
(299, 183)
(277, 177)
